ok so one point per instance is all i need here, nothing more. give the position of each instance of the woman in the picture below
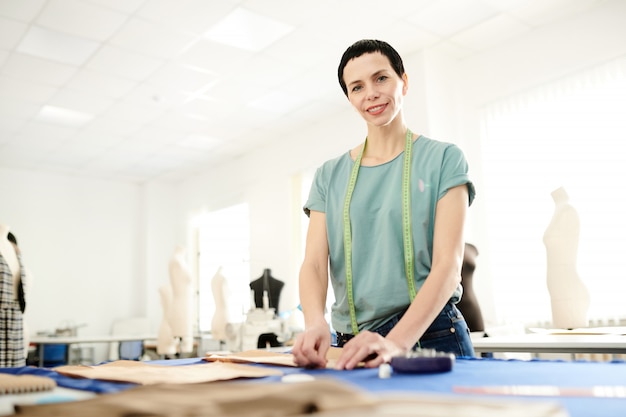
(398, 193)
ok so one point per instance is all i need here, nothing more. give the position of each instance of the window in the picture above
(570, 133)
(224, 242)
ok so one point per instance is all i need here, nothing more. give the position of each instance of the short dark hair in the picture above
(12, 238)
(368, 46)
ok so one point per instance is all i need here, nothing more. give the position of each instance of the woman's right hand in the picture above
(311, 346)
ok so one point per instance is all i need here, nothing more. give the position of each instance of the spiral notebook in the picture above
(16, 384)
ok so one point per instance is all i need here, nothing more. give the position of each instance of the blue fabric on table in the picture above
(473, 372)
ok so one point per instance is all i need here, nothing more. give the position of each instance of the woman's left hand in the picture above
(368, 347)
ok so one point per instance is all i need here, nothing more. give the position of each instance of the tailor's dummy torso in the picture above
(220, 317)
(270, 284)
(180, 309)
(568, 295)
(469, 302)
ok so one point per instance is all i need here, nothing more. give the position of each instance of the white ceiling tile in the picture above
(176, 76)
(133, 112)
(11, 32)
(506, 5)
(451, 49)
(26, 91)
(30, 68)
(45, 133)
(153, 135)
(125, 6)
(293, 11)
(219, 59)
(80, 18)
(278, 102)
(193, 16)
(97, 138)
(23, 10)
(113, 125)
(395, 35)
(447, 17)
(3, 57)
(152, 95)
(75, 152)
(308, 50)
(10, 106)
(12, 124)
(491, 32)
(20, 155)
(100, 84)
(176, 119)
(149, 38)
(57, 46)
(86, 103)
(124, 63)
(210, 109)
(540, 12)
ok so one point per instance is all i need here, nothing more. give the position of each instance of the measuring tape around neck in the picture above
(406, 226)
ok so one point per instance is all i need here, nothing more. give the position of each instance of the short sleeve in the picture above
(317, 194)
(454, 172)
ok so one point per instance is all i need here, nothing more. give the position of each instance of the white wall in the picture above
(80, 239)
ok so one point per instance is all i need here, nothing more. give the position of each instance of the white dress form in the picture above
(568, 295)
(180, 312)
(219, 287)
(166, 343)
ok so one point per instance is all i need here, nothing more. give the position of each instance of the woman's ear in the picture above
(405, 84)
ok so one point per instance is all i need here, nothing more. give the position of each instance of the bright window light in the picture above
(224, 245)
(247, 30)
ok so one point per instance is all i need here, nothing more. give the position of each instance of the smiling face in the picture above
(374, 89)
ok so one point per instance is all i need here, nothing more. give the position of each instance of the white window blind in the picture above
(224, 242)
(570, 133)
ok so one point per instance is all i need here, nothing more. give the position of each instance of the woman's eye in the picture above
(356, 88)
(382, 78)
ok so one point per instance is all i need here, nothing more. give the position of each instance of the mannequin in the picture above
(469, 303)
(568, 295)
(166, 343)
(11, 318)
(180, 311)
(219, 287)
(270, 284)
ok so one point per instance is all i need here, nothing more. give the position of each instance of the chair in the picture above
(133, 349)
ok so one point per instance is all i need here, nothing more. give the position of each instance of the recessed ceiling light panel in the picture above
(63, 116)
(247, 30)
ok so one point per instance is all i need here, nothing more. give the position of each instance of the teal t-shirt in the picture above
(378, 271)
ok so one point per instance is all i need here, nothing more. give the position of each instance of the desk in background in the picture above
(553, 343)
(42, 341)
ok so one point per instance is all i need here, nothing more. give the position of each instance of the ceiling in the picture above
(141, 90)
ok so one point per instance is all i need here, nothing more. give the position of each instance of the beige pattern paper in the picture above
(148, 374)
(267, 357)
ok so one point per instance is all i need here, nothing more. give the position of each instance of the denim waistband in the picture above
(343, 338)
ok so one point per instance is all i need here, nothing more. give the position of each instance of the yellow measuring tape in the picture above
(406, 225)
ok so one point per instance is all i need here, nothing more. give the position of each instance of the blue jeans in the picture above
(448, 333)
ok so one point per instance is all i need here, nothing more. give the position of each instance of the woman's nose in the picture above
(372, 94)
